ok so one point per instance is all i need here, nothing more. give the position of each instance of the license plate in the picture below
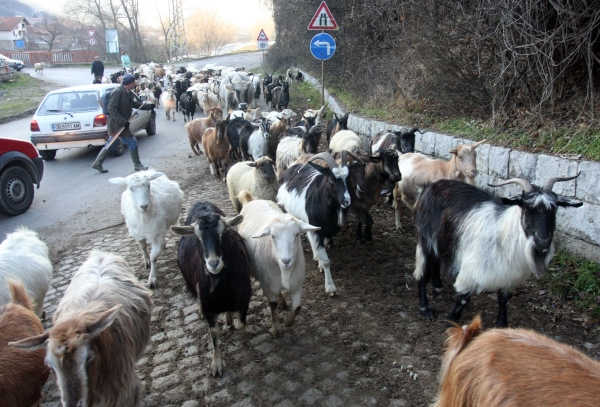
(66, 126)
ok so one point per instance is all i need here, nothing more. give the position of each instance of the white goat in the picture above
(39, 68)
(258, 177)
(275, 251)
(258, 142)
(207, 101)
(101, 327)
(169, 102)
(289, 150)
(347, 140)
(151, 204)
(24, 257)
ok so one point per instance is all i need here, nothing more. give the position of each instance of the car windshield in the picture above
(70, 102)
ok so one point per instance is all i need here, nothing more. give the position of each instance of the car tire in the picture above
(151, 129)
(16, 191)
(47, 155)
(118, 148)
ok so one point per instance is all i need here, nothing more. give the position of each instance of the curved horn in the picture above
(323, 156)
(519, 181)
(344, 155)
(550, 183)
(356, 157)
(475, 145)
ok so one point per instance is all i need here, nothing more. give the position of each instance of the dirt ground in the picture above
(367, 346)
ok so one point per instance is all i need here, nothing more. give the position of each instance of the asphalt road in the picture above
(74, 199)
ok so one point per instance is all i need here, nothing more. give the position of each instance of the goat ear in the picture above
(32, 343)
(515, 200)
(453, 151)
(251, 164)
(564, 202)
(156, 175)
(265, 232)
(105, 320)
(182, 230)
(306, 227)
(118, 181)
(236, 220)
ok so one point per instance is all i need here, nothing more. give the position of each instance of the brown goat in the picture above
(101, 328)
(216, 148)
(22, 373)
(276, 130)
(514, 368)
(159, 73)
(418, 171)
(196, 128)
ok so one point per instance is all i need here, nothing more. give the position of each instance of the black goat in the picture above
(338, 123)
(483, 243)
(187, 105)
(381, 169)
(235, 129)
(319, 196)
(284, 97)
(403, 141)
(213, 260)
(267, 80)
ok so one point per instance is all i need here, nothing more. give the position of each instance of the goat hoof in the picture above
(151, 284)
(217, 367)
(427, 313)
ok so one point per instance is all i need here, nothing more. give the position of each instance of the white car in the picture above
(72, 117)
(13, 63)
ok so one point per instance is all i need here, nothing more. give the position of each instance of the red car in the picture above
(20, 167)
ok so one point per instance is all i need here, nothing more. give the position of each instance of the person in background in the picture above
(97, 70)
(120, 108)
(125, 61)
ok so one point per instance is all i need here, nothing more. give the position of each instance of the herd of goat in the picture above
(282, 187)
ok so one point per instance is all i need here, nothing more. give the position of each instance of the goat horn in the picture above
(475, 145)
(550, 183)
(323, 156)
(519, 181)
(356, 157)
(344, 155)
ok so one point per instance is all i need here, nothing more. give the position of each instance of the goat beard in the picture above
(215, 279)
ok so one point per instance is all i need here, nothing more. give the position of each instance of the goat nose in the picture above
(213, 263)
(286, 262)
(144, 207)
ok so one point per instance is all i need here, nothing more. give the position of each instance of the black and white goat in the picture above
(319, 196)
(398, 140)
(338, 123)
(214, 263)
(482, 242)
(187, 104)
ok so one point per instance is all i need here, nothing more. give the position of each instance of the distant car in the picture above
(13, 63)
(72, 117)
(20, 167)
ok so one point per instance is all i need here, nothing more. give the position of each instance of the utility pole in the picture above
(178, 43)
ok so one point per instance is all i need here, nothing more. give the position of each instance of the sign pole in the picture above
(322, 46)
(322, 83)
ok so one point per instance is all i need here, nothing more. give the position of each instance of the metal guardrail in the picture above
(54, 57)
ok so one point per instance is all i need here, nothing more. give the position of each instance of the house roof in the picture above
(10, 23)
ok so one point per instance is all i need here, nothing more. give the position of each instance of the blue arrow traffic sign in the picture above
(322, 46)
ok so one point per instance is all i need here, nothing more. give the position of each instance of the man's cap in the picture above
(96, 57)
(127, 79)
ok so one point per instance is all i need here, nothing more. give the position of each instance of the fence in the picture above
(57, 57)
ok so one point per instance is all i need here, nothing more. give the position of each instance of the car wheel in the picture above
(118, 148)
(19, 69)
(16, 191)
(47, 155)
(151, 129)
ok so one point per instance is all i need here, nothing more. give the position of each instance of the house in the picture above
(13, 32)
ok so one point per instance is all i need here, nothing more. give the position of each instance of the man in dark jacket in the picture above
(119, 111)
(97, 70)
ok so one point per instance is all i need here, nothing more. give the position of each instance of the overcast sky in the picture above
(240, 11)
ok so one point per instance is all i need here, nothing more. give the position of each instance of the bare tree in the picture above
(131, 11)
(165, 26)
(47, 32)
(208, 31)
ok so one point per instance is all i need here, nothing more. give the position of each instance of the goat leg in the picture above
(217, 360)
(275, 326)
(503, 298)
(460, 302)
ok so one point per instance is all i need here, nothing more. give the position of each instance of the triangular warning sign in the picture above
(323, 20)
(262, 36)
(91, 33)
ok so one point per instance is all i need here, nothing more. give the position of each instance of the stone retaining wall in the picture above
(577, 231)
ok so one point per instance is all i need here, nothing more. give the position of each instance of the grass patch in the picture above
(21, 93)
(574, 278)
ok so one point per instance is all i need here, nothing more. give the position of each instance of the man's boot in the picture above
(99, 160)
(137, 165)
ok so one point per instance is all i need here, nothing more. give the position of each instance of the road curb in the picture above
(12, 118)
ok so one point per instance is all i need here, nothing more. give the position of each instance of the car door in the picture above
(140, 120)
